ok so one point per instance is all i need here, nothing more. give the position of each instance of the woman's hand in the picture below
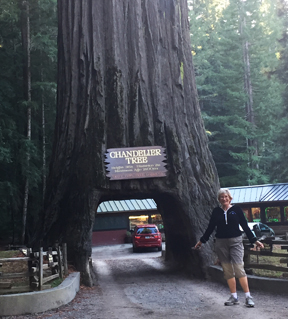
(198, 245)
(259, 244)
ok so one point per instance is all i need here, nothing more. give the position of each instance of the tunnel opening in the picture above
(116, 218)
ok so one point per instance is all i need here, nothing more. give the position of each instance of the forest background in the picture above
(240, 55)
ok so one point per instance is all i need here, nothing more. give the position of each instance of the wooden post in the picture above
(30, 270)
(246, 255)
(40, 268)
(64, 247)
(246, 259)
(60, 261)
(50, 256)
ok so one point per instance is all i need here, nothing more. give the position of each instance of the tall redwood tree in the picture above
(125, 79)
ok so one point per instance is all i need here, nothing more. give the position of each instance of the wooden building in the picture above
(115, 219)
(266, 203)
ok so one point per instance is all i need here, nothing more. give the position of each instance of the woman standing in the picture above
(229, 246)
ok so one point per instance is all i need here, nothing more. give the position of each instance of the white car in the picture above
(259, 230)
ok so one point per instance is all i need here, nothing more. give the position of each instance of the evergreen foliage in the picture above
(279, 169)
(13, 142)
(218, 37)
(217, 47)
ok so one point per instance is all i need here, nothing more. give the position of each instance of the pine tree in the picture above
(13, 142)
(279, 141)
(237, 93)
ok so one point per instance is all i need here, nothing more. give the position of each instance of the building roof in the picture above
(241, 194)
(127, 205)
(260, 193)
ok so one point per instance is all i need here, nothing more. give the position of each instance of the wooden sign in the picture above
(135, 162)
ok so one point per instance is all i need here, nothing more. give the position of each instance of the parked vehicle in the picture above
(260, 230)
(146, 236)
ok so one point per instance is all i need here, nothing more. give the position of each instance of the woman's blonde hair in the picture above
(224, 191)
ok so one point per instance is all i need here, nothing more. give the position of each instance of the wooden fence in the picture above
(42, 267)
(267, 251)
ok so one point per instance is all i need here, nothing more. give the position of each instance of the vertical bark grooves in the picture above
(26, 45)
(252, 142)
(126, 79)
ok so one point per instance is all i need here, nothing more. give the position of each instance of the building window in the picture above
(246, 213)
(138, 220)
(145, 219)
(272, 214)
(286, 214)
(256, 217)
(157, 219)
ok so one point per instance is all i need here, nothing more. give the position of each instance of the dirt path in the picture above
(162, 294)
(144, 288)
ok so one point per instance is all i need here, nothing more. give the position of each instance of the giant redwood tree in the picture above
(125, 79)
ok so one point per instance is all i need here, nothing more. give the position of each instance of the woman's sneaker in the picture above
(249, 302)
(231, 301)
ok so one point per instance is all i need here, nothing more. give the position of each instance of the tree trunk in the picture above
(126, 79)
(43, 118)
(25, 32)
(252, 145)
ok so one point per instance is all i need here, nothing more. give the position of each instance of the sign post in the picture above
(135, 162)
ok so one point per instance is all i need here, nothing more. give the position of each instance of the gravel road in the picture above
(141, 286)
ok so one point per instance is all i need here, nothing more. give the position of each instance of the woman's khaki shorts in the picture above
(230, 252)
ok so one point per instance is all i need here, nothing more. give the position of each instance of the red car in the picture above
(146, 236)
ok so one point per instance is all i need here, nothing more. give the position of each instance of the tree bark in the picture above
(43, 145)
(26, 44)
(252, 145)
(126, 79)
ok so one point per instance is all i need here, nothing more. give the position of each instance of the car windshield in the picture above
(147, 230)
(263, 227)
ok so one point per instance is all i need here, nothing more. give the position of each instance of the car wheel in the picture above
(160, 248)
(134, 249)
